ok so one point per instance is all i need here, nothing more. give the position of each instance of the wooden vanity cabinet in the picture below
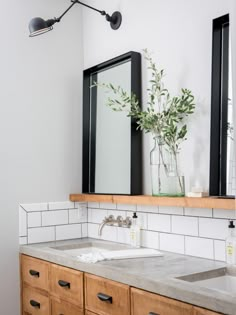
(202, 311)
(50, 289)
(105, 297)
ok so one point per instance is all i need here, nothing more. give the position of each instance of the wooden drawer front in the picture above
(145, 303)
(35, 272)
(34, 302)
(119, 304)
(60, 307)
(90, 313)
(202, 311)
(67, 283)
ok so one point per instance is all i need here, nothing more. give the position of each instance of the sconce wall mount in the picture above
(38, 26)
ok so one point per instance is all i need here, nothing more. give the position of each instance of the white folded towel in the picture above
(119, 254)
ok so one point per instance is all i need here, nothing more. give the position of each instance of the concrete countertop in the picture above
(156, 274)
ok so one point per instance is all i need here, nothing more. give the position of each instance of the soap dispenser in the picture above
(135, 232)
(231, 244)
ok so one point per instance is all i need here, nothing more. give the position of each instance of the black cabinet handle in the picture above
(64, 284)
(34, 273)
(105, 298)
(151, 313)
(34, 303)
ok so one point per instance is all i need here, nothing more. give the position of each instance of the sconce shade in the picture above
(39, 26)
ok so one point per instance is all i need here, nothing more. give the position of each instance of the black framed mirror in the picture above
(112, 145)
(222, 159)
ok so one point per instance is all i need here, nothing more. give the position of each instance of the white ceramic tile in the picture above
(142, 219)
(84, 230)
(150, 239)
(79, 215)
(171, 210)
(55, 217)
(213, 228)
(109, 233)
(127, 207)
(123, 235)
(198, 212)
(199, 247)
(93, 205)
(159, 222)
(69, 231)
(145, 208)
(81, 205)
(184, 225)
(224, 214)
(62, 205)
(23, 240)
(34, 219)
(93, 230)
(96, 215)
(41, 234)
(172, 243)
(35, 207)
(22, 222)
(117, 213)
(219, 250)
(107, 205)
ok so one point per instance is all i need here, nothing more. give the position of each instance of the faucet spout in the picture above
(101, 226)
(107, 221)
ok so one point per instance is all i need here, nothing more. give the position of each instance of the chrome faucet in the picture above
(110, 220)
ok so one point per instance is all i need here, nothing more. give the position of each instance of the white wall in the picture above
(40, 121)
(179, 33)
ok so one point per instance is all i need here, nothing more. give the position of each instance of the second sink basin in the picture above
(223, 279)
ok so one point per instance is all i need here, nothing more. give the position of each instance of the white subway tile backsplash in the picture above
(145, 208)
(109, 233)
(34, 219)
(41, 234)
(123, 235)
(23, 240)
(55, 217)
(213, 228)
(159, 222)
(127, 207)
(84, 230)
(35, 207)
(198, 212)
(22, 222)
(184, 225)
(200, 247)
(93, 205)
(107, 205)
(150, 239)
(79, 215)
(96, 215)
(220, 253)
(224, 214)
(93, 230)
(171, 210)
(117, 213)
(172, 243)
(61, 205)
(69, 231)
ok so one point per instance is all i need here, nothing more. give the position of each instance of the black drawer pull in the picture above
(151, 313)
(64, 284)
(34, 273)
(34, 303)
(105, 298)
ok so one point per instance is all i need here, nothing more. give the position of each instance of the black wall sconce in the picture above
(38, 26)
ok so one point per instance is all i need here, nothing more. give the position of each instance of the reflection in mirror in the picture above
(222, 159)
(111, 143)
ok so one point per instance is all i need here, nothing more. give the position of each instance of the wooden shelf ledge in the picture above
(187, 202)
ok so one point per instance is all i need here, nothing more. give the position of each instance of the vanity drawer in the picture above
(106, 297)
(202, 311)
(60, 307)
(145, 303)
(35, 272)
(35, 302)
(67, 283)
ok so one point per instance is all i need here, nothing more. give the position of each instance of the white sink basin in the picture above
(223, 279)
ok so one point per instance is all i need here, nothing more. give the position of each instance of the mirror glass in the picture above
(222, 159)
(111, 143)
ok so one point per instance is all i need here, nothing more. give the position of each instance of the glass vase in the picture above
(165, 174)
